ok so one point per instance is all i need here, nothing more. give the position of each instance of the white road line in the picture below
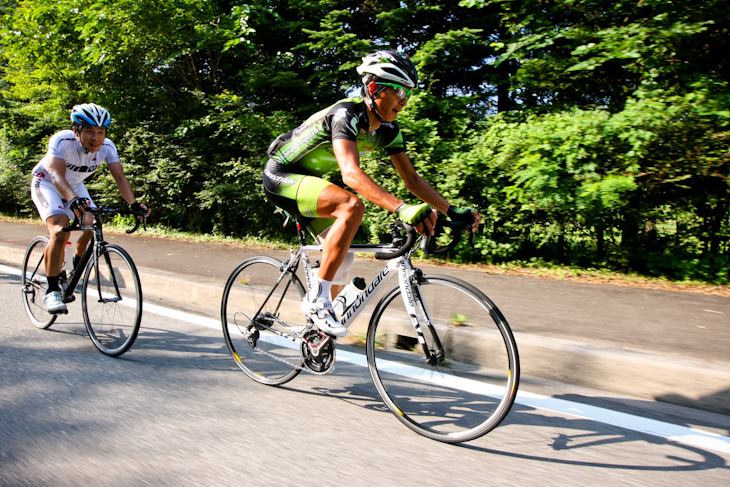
(672, 432)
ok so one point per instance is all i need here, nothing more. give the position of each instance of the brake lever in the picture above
(72, 226)
(138, 222)
(424, 244)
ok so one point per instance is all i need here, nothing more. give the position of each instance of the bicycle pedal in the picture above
(69, 299)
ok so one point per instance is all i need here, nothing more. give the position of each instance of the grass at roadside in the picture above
(539, 270)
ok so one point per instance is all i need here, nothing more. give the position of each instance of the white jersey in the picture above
(80, 164)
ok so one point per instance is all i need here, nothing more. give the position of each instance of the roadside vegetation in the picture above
(593, 136)
(536, 268)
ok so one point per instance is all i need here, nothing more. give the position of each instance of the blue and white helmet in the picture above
(90, 114)
(389, 66)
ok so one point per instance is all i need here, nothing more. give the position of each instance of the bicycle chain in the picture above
(303, 362)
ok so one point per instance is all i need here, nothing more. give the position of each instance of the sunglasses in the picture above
(400, 91)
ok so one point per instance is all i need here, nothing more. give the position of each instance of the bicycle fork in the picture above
(409, 279)
(98, 267)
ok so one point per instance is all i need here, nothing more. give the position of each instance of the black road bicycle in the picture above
(111, 293)
(439, 352)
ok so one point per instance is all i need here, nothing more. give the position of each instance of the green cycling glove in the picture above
(413, 214)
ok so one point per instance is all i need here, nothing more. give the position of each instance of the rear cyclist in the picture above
(58, 190)
(333, 139)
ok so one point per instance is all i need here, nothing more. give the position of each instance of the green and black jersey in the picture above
(298, 159)
(308, 148)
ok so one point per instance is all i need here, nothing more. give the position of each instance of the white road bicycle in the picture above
(440, 353)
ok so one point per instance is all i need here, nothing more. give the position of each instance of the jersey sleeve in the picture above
(342, 122)
(112, 156)
(394, 142)
(57, 145)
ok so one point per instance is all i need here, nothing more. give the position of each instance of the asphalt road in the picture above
(659, 345)
(175, 411)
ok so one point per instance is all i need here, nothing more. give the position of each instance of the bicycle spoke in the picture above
(259, 318)
(112, 301)
(34, 284)
(467, 382)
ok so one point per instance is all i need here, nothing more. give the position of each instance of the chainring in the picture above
(318, 351)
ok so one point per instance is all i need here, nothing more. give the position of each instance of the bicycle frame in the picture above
(92, 251)
(78, 270)
(401, 266)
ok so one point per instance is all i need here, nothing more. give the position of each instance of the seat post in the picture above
(302, 223)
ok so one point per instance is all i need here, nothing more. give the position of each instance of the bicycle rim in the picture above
(256, 347)
(33, 283)
(469, 390)
(112, 301)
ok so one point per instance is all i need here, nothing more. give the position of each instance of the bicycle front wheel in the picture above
(112, 301)
(465, 385)
(259, 313)
(33, 283)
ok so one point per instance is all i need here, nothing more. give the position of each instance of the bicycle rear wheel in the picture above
(259, 306)
(33, 283)
(112, 301)
(470, 382)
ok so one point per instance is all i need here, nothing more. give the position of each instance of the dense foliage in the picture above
(587, 132)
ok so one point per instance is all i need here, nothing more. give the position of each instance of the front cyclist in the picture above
(333, 139)
(58, 190)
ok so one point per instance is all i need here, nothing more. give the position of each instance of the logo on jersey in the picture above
(341, 114)
(83, 168)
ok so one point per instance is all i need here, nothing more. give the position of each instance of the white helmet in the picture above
(90, 114)
(389, 66)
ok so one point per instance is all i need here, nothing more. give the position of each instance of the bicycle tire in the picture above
(33, 284)
(467, 393)
(112, 301)
(260, 353)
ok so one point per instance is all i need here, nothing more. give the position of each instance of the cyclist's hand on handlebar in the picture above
(465, 215)
(428, 225)
(140, 209)
(422, 217)
(78, 206)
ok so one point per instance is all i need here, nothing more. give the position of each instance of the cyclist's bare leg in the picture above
(83, 240)
(54, 253)
(335, 289)
(347, 210)
(56, 243)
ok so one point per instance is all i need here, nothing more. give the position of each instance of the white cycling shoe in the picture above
(54, 302)
(323, 316)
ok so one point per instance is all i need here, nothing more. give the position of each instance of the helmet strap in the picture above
(370, 90)
(77, 129)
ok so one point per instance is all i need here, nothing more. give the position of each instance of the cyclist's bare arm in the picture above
(57, 169)
(353, 176)
(125, 189)
(416, 184)
(422, 189)
(58, 177)
(348, 159)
